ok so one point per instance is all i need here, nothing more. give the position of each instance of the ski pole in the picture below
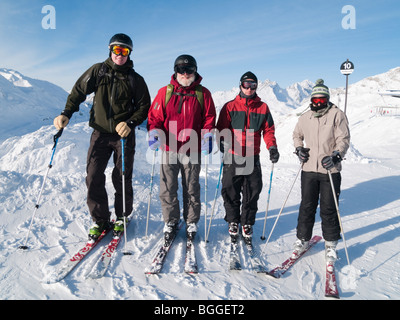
(205, 195)
(55, 138)
(151, 188)
(125, 252)
(215, 199)
(338, 214)
(283, 206)
(269, 195)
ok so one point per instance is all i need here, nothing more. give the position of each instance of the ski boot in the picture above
(191, 230)
(299, 246)
(247, 233)
(119, 226)
(97, 229)
(169, 231)
(233, 231)
(330, 251)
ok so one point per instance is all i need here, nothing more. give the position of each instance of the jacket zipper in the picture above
(245, 128)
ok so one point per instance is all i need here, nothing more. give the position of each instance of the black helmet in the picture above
(185, 59)
(122, 40)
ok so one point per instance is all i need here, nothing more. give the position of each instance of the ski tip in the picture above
(127, 253)
(192, 272)
(332, 297)
(23, 247)
(273, 275)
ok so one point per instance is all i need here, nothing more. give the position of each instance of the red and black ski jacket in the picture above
(183, 120)
(247, 120)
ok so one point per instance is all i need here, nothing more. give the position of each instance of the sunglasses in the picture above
(249, 85)
(121, 51)
(322, 100)
(186, 69)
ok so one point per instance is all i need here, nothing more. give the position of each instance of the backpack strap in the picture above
(199, 95)
(103, 71)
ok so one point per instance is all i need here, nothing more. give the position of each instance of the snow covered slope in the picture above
(369, 205)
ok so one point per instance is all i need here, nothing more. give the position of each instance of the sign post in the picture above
(346, 68)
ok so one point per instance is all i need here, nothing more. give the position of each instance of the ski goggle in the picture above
(249, 85)
(322, 100)
(121, 51)
(185, 69)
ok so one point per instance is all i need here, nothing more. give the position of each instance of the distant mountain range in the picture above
(27, 104)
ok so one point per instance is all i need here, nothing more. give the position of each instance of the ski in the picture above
(159, 259)
(234, 261)
(256, 264)
(101, 266)
(190, 258)
(280, 270)
(71, 263)
(331, 290)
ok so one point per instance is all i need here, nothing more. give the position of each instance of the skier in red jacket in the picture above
(241, 124)
(180, 122)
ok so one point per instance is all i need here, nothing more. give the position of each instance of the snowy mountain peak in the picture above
(27, 104)
(15, 78)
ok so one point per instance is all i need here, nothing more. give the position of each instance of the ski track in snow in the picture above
(369, 206)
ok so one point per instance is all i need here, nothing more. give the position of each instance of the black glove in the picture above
(273, 154)
(303, 154)
(329, 162)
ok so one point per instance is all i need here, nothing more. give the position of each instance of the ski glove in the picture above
(207, 143)
(329, 162)
(303, 154)
(154, 142)
(273, 154)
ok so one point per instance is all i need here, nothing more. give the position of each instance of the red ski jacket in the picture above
(247, 120)
(183, 121)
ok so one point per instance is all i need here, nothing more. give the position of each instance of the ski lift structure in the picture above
(387, 109)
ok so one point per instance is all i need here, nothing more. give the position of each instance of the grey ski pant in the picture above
(173, 164)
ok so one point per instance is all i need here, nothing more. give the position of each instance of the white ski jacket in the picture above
(323, 135)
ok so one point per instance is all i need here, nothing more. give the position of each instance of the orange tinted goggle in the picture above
(121, 51)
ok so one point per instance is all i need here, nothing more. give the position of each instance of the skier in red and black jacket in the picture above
(241, 124)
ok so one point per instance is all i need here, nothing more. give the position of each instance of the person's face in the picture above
(119, 55)
(319, 100)
(249, 87)
(185, 75)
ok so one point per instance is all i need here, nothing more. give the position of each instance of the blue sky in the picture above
(283, 41)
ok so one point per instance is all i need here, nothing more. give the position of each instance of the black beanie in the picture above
(248, 75)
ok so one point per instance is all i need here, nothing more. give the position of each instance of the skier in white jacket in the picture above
(320, 133)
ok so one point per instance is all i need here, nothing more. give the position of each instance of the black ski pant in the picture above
(316, 186)
(102, 146)
(241, 209)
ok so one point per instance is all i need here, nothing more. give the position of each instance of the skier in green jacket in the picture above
(121, 102)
